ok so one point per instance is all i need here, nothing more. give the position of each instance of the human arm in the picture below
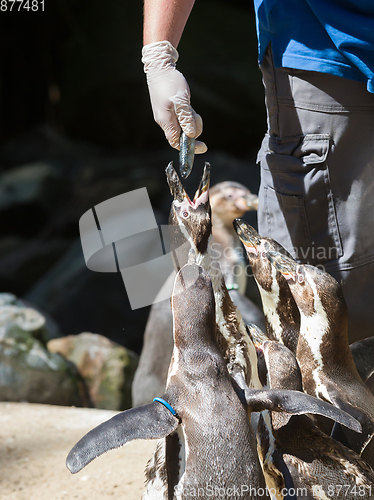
(164, 21)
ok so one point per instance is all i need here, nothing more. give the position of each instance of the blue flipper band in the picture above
(166, 404)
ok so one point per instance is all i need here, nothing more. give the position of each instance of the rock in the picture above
(106, 367)
(28, 320)
(9, 299)
(28, 372)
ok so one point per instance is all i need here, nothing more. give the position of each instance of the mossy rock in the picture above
(106, 367)
(28, 372)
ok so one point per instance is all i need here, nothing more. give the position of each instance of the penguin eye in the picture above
(185, 214)
(300, 272)
(263, 255)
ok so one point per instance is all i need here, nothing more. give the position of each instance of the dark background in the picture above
(76, 128)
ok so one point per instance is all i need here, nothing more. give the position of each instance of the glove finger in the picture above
(184, 112)
(191, 125)
(198, 123)
(172, 134)
(170, 125)
(200, 147)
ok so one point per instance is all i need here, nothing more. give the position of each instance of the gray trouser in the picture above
(317, 179)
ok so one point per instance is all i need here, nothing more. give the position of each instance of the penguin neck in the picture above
(207, 262)
(191, 333)
(327, 323)
(270, 299)
(323, 328)
(197, 350)
(282, 318)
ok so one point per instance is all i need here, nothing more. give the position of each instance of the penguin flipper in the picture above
(363, 356)
(151, 421)
(366, 421)
(297, 403)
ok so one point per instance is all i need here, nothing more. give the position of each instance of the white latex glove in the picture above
(170, 95)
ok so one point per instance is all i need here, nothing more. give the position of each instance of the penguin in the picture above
(209, 443)
(294, 453)
(228, 201)
(282, 317)
(281, 313)
(326, 363)
(192, 222)
(209, 446)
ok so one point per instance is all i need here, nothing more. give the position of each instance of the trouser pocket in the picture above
(296, 205)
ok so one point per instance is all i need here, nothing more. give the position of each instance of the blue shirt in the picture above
(329, 36)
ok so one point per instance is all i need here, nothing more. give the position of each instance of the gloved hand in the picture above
(170, 95)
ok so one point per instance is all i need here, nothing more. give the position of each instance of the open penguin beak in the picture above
(176, 188)
(285, 265)
(178, 192)
(248, 236)
(202, 193)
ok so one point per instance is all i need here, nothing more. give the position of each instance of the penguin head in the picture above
(259, 338)
(277, 366)
(230, 200)
(255, 333)
(257, 248)
(192, 218)
(311, 287)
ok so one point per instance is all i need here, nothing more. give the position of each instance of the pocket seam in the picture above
(293, 201)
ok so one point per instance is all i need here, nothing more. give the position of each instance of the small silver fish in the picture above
(186, 155)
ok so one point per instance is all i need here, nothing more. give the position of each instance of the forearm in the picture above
(165, 20)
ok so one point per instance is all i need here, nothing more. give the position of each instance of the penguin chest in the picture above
(220, 460)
